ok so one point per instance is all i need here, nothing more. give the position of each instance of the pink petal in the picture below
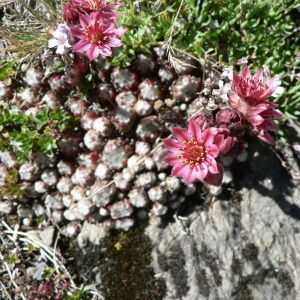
(179, 170)
(255, 120)
(272, 113)
(93, 52)
(270, 125)
(85, 20)
(98, 16)
(82, 46)
(190, 175)
(236, 77)
(246, 72)
(257, 109)
(181, 134)
(266, 137)
(219, 138)
(113, 42)
(195, 130)
(213, 150)
(267, 94)
(213, 168)
(78, 32)
(259, 75)
(215, 179)
(172, 159)
(172, 144)
(111, 26)
(201, 171)
(119, 32)
(106, 51)
(208, 135)
(226, 145)
(234, 100)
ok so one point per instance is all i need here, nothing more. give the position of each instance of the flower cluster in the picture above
(195, 151)
(91, 27)
(249, 97)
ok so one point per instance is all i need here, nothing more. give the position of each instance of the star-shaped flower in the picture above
(98, 35)
(193, 154)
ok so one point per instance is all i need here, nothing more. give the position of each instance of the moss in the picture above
(67, 246)
(129, 274)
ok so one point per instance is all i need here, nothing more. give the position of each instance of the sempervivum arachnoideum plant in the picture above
(101, 171)
(105, 93)
(6, 91)
(167, 74)
(116, 153)
(34, 76)
(102, 68)
(30, 96)
(103, 126)
(69, 143)
(126, 98)
(124, 79)
(186, 88)
(77, 106)
(52, 99)
(151, 90)
(144, 65)
(123, 119)
(56, 83)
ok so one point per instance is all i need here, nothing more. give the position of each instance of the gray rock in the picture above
(47, 235)
(6, 207)
(244, 248)
(90, 233)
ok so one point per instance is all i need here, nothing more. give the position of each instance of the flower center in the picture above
(94, 33)
(250, 84)
(192, 153)
(94, 3)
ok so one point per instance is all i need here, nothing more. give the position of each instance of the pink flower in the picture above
(193, 154)
(94, 5)
(252, 88)
(71, 13)
(204, 119)
(97, 34)
(230, 118)
(258, 118)
(230, 145)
